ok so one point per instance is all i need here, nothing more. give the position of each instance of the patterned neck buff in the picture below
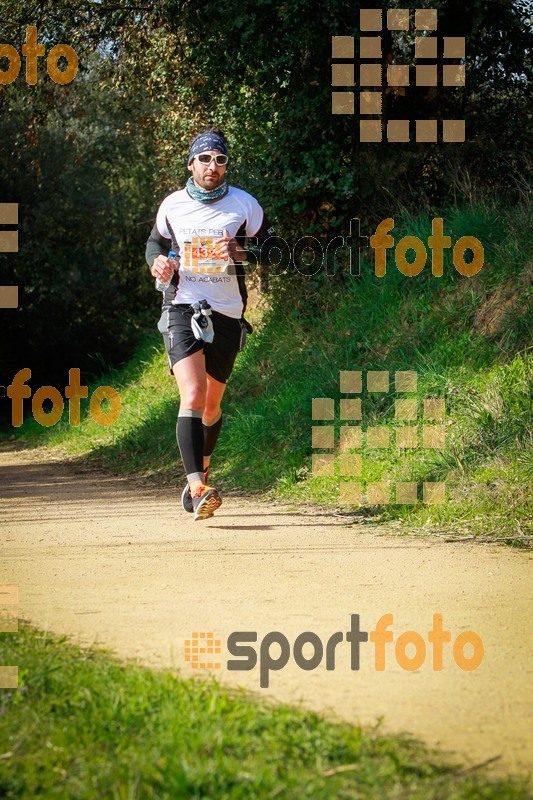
(206, 195)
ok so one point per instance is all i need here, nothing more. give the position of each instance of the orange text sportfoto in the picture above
(32, 50)
(74, 392)
(409, 651)
(382, 241)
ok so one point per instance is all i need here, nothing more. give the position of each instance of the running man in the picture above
(207, 224)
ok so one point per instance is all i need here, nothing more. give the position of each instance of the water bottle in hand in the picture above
(160, 285)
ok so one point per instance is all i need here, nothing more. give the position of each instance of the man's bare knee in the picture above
(193, 397)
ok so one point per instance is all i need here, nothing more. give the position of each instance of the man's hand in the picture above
(162, 268)
(228, 247)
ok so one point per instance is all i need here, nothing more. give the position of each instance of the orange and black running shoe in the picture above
(205, 502)
(186, 499)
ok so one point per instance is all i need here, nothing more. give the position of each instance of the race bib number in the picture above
(199, 255)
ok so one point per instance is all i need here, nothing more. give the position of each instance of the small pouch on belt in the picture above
(201, 323)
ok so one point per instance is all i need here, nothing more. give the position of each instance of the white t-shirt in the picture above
(195, 227)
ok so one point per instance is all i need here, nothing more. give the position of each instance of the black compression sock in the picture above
(190, 436)
(211, 435)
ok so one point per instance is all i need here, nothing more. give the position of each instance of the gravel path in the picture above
(107, 561)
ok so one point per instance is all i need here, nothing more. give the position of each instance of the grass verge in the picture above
(83, 725)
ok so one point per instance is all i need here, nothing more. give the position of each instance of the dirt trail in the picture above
(103, 560)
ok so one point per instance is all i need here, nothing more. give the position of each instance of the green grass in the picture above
(467, 338)
(84, 726)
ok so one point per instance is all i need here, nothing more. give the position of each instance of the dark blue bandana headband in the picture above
(207, 141)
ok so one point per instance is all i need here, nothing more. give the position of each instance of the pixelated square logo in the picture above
(201, 650)
(9, 243)
(375, 75)
(9, 598)
(418, 423)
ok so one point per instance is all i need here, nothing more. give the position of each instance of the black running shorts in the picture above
(180, 341)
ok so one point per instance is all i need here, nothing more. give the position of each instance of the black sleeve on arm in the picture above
(239, 268)
(156, 245)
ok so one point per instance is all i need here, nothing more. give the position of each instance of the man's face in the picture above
(207, 176)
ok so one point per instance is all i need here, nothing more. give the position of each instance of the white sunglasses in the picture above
(206, 158)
